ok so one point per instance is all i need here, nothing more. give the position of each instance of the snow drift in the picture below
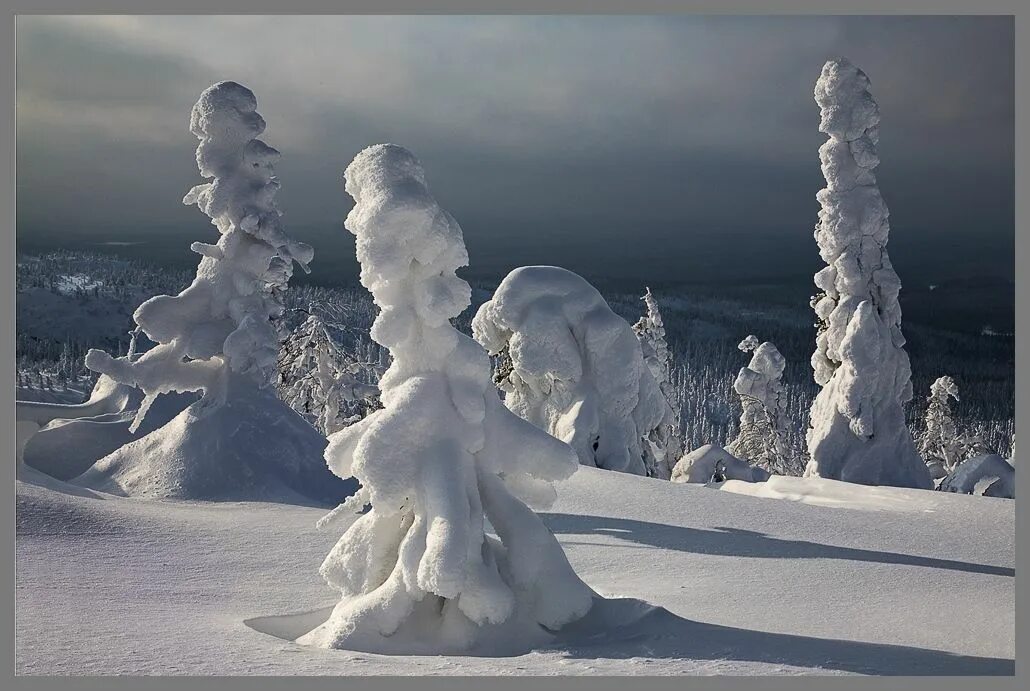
(418, 572)
(858, 431)
(572, 367)
(989, 475)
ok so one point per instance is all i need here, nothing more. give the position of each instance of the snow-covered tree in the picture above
(321, 381)
(442, 457)
(857, 430)
(666, 446)
(219, 328)
(940, 444)
(576, 367)
(762, 437)
(217, 337)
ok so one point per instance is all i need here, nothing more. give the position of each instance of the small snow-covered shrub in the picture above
(940, 444)
(712, 463)
(441, 458)
(572, 367)
(762, 435)
(858, 431)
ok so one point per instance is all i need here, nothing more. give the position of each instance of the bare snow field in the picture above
(696, 581)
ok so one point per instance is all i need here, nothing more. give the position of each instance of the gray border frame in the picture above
(1018, 8)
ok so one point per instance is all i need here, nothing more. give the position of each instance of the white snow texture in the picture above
(712, 463)
(857, 431)
(441, 457)
(571, 366)
(763, 418)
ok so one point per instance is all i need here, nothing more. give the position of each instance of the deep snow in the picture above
(907, 582)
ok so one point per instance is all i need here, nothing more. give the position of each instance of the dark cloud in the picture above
(677, 147)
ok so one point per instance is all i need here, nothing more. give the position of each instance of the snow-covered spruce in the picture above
(857, 430)
(216, 337)
(762, 436)
(940, 444)
(321, 381)
(418, 572)
(573, 367)
(666, 447)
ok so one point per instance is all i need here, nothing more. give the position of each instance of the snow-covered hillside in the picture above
(696, 581)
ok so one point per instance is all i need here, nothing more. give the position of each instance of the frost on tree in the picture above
(216, 337)
(665, 446)
(418, 572)
(573, 367)
(323, 382)
(762, 437)
(940, 444)
(857, 431)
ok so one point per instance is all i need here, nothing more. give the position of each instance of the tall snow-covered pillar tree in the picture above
(857, 431)
(442, 456)
(572, 366)
(666, 447)
(216, 336)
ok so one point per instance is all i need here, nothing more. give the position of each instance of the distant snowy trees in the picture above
(762, 435)
(665, 443)
(320, 380)
(573, 367)
(857, 431)
(219, 328)
(442, 457)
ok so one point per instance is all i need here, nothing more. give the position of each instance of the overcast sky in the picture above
(679, 148)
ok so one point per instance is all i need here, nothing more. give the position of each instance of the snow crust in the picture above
(418, 571)
(858, 430)
(572, 367)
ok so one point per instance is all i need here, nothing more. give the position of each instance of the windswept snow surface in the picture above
(911, 582)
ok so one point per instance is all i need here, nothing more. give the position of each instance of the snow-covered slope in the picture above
(736, 585)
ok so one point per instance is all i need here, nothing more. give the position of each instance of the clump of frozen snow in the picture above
(989, 475)
(665, 445)
(761, 438)
(444, 456)
(712, 463)
(221, 324)
(571, 366)
(858, 432)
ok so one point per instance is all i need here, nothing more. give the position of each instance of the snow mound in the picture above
(702, 464)
(253, 448)
(78, 436)
(571, 366)
(989, 475)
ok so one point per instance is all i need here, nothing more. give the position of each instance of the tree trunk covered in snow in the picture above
(442, 457)
(858, 431)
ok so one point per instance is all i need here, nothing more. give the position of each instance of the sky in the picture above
(666, 148)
